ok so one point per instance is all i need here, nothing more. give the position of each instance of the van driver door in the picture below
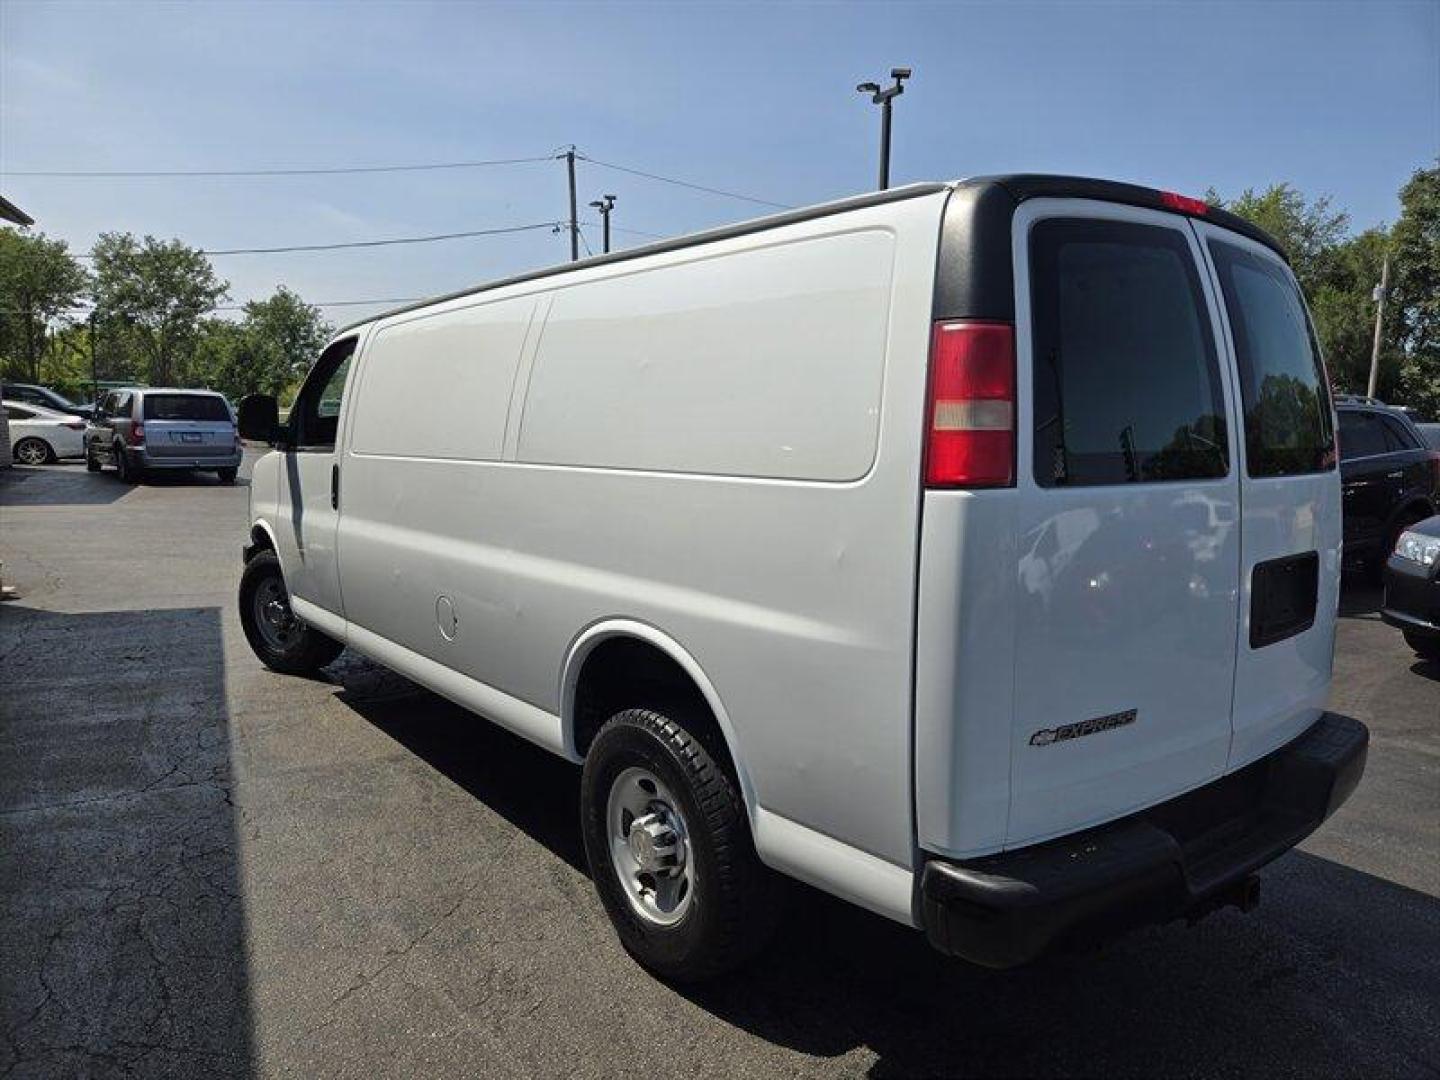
(309, 505)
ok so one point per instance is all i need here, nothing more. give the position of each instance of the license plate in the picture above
(191, 437)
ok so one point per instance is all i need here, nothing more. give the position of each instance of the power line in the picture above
(335, 171)
(366, 243)
(683, 183)
(241, 307)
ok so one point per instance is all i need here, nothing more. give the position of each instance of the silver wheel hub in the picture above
(275, 620)
(650, 847)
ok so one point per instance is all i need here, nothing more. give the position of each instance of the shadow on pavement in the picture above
(65, 485)
(1336, 973)
(122, 927)
(531, 788)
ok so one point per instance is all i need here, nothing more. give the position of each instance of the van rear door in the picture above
(1290, 493)
(1129, 501)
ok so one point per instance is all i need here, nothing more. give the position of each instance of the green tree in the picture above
(153, 294)
(283, 336)
(1415, 293)
(40, 282)
(1343, 309)
(1307, 230)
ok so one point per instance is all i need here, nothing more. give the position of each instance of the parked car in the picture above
(31, 394)
(969, 551)
(1391, 480)
(153, 428)
(39, 435)
(1412, 587)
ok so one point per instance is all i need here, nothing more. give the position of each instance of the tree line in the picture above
(152, 305)
(145, 311)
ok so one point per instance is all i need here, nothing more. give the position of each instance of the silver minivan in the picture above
(144, 429)
(970, 551)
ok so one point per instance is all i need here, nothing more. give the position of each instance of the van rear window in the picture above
(185, 407)
(1126, 377)
(1288, 426)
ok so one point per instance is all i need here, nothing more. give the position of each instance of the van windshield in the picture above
(185, 407)
(1288, 428)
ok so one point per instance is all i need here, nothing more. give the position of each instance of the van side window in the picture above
(317, 408)
(1282, 383)
(1126, 377)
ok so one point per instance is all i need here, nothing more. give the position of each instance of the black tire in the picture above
(1425, 646)
(92, 463)
(736, 900)
(33, 451)
(127, 473)
(302, 650)
(227, 476)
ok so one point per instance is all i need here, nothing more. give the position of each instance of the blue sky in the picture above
(1339, 99)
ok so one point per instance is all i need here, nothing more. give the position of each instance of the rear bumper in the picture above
(1412, 598)
(1185, 856)
(146, 460)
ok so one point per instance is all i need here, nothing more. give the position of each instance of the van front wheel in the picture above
(281, 641)
(670, 852)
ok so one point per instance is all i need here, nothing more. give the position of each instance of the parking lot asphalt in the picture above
(207, 868)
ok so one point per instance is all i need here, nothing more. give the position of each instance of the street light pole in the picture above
(884, 98)
(605, 204)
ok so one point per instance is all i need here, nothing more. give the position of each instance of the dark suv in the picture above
(1391, 479)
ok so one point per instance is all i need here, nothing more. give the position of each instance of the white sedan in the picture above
(38, 434)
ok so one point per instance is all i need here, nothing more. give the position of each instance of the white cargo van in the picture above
(970, 551)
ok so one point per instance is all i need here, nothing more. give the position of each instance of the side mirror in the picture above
(258, 418)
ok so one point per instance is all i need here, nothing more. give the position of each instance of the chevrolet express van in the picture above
(970, 551)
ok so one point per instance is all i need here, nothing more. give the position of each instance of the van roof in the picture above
(1019, 187)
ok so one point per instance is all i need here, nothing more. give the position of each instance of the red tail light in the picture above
(1184, 203)
(1435, 467)
(137, 434)
(75, 425)
(970, 441)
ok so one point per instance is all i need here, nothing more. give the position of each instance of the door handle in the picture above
(334, 487)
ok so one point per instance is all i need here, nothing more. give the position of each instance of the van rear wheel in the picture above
(670, 852)
(281, 641)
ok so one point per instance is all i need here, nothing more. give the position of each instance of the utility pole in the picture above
(1380, 291)
(574, 221)
(94, 360)
(605, 204)
(883, 98)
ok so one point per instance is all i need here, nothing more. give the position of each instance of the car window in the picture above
(1282, 382)
(185, 407)
(1398, 435)
(15, 412)
(1361, 435)
(318, 407)
(1126, 377)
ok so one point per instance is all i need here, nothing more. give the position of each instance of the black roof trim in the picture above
(1022, 186)
(660, 247)
(975, 278)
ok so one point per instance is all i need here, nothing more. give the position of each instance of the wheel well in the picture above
(627, 673)
(259, 541)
